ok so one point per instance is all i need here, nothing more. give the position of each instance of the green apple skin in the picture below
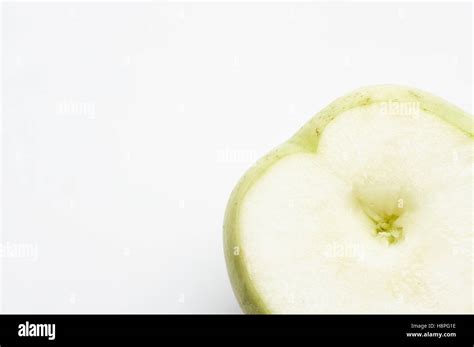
(306, 140)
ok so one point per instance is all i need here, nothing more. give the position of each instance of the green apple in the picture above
(368, 208)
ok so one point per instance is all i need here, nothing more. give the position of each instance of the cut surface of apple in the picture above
(367, 209)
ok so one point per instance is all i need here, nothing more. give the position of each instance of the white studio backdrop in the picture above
(126, 126)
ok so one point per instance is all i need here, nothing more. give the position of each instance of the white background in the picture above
(126, 126)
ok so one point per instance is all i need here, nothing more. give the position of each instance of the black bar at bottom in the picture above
(443, 330)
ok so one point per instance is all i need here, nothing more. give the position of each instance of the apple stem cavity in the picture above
(383, 204)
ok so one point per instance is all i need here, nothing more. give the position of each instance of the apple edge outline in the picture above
(306, 140)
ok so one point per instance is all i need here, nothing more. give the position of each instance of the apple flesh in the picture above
(367, 209)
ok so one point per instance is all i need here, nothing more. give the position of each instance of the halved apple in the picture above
(367, 209)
